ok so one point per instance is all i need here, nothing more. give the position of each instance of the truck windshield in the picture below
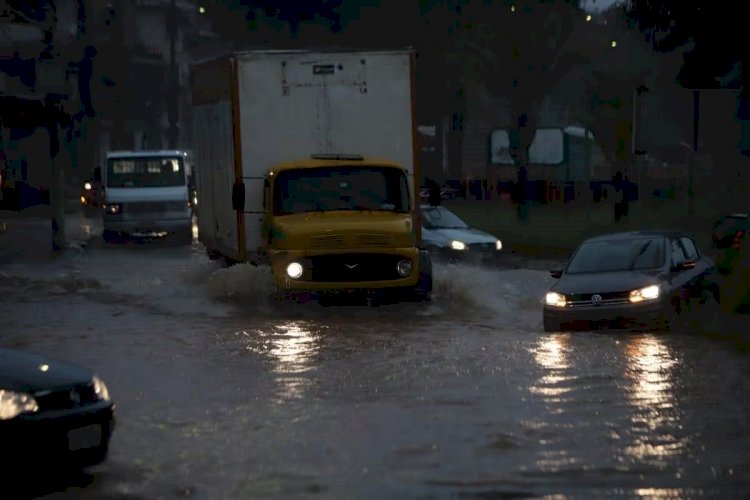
(146, 172)
(341, 188)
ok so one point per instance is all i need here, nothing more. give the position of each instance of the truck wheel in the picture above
(423, 290)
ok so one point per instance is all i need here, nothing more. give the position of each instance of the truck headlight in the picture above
(13, 404)
(404, 267)
(458, 245)
(294, 270)
(555, 299)
(647, 293)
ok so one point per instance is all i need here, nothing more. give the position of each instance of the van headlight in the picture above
(112, 208)
(647, 293)
(294, 270)
(458, 245)
(555, 299)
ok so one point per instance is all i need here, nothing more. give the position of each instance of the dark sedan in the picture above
(631, 279)
(54, 415)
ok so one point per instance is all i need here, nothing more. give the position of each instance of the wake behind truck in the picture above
(306, 161)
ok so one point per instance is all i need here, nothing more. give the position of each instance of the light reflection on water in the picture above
(291, 346)
(551, 353)
(650, 393)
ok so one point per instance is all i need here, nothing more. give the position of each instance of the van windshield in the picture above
(327, 189)
(159, 171)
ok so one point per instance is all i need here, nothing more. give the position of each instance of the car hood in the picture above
(27, 372)
(445, 236)
(620, 281)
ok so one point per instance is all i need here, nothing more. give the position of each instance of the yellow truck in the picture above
(306, 161)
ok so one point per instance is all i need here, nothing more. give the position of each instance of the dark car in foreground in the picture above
(637, 280)
(447, 237)
(55, 416)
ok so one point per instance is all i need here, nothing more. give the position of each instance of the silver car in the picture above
(447, 237)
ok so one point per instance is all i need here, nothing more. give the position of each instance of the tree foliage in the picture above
(714, 28)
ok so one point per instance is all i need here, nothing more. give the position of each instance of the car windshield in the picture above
(618, 255)
(341, 188)
(441, 218)
(146, 172)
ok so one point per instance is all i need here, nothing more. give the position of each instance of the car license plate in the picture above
(88, 436)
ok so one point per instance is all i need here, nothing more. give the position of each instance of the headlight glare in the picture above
(498, 245)
(647, 293)
(458, 245)
(100, 388)
(13, 404)
(87, 186)
(294, 270)
(555, 299)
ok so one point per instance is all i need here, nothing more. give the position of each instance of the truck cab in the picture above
(342, 222)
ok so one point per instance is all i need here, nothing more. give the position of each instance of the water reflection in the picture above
(551, 353)
(650, 392)
(291, 345)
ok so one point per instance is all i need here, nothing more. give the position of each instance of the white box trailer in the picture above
(256, 110)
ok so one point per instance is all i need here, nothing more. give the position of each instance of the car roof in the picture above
(626, 235)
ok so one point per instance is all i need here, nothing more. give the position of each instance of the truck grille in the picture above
(355, 267)
(63, 399)
(360, 240)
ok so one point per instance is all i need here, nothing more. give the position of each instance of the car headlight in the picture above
(294, 270)
(647, 293)
(13, 404)
(87, 186)
(100, 389)
(112, 208)
(555, 299)
(458, 245)
(498, 245)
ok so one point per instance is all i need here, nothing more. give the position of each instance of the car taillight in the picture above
(738, 238)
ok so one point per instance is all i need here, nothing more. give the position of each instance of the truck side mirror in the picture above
(238, 195)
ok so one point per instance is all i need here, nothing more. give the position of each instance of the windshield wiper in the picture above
(641, 251)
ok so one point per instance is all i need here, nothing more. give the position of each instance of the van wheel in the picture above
(213, 254)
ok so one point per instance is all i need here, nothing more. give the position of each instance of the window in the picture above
(678, 254)
(690, 249)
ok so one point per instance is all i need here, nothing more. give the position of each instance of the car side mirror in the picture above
(556, 273)
(684, 265)
(238, 196)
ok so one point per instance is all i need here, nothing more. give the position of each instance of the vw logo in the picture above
(351, 266)
(596, 299)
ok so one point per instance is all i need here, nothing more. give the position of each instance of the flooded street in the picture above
(224, 392)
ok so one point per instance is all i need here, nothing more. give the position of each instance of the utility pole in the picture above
(691, 163)
(57, 191)
(173, 97)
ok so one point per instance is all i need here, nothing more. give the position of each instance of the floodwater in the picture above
(224, 392)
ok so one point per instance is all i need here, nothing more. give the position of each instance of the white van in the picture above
(147, 194)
